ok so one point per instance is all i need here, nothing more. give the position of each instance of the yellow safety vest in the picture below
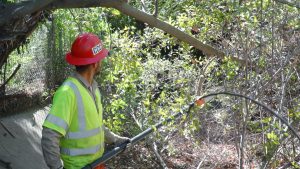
(74, 114)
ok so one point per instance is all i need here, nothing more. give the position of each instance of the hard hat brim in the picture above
(86, 61)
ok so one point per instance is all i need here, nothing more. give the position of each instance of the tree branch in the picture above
(156, 9)
(290, 3)
(22, 9)
(151, 20)
(144, 9)
(128, 10)
(146, 18)
(153, 146)
(11, 76)
(83, 4)
(78, 24)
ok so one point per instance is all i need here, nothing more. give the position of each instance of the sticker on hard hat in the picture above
(97, 49)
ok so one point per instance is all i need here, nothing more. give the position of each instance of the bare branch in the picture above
(78, 24)
(144, 9)
(274, 113)
(201, 80)
(156, 8)
(11, 76)
(153, 145)
(158, 156)
(199, 165)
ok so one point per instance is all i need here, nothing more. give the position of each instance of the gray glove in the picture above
(124, 140)
(112, 138)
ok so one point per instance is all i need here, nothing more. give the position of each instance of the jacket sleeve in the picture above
(50, 147)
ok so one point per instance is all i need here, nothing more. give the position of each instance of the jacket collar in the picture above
(84, 82)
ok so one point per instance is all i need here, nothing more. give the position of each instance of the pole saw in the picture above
(199, 101)
(118, 149)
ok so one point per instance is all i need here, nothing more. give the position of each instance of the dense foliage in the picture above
(149, 75)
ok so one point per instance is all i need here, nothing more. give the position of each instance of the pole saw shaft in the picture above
(140, 136)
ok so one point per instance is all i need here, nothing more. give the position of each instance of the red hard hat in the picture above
(86, 49)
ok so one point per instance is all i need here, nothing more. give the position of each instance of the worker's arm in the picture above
(112, 138)
(50, 147)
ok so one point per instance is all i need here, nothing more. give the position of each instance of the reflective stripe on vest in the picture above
(81, 114)
(81, 151)
(57, 121)
(82, 133)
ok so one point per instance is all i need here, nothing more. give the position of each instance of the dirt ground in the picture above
(185, 155)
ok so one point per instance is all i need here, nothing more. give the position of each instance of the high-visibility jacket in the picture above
(75, 115)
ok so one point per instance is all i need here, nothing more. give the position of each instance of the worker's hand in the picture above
(121, 140)
(112, 138)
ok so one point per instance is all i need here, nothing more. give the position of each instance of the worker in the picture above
(73, 131)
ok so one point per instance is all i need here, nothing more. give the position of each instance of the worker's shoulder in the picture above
(66, 88)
